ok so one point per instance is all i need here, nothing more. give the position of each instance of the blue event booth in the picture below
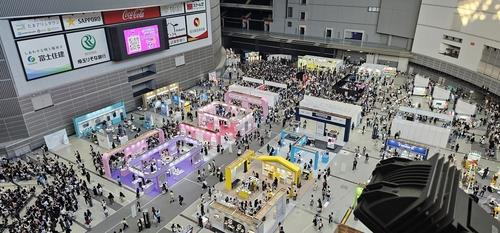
(405, 147)
(110, 115)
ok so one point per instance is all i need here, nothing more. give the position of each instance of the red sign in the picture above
(111, 17)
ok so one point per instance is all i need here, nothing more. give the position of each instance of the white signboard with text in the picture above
(197, 26)
(44, 56)
(36, 26)
(195, 6)
(176, 26)
(173, 9)
(84, 20)
(88, 47)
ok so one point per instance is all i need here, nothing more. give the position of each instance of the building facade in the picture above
(35, 102)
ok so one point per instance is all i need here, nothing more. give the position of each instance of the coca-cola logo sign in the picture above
(135, 14)
(112, 17)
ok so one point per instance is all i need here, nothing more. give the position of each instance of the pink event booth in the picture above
(133, 148)
(247, 101)
(201, 134)
(226, 119)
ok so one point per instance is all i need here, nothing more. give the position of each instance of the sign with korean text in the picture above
(173, 9)
(44, 56)
(36, 26)
(195, 6)
(197, 26)
(88, 47)
(84, 20)
(112, 17)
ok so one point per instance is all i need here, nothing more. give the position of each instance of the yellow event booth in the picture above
(235, 167)
(278, 167)
(320, 63)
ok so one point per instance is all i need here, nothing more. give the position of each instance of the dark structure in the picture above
(408, 196)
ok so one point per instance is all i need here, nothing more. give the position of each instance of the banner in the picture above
(173, 9)
(176, 27)
(177, 41)
(44, 56)
(197, 26)
(36, 26)
(84, 20)
(195, 6)
(88, 47)
(112, 17)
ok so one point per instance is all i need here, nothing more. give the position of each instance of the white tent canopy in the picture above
(464, 108)
(420, 81)
(269, 96)
(441, 93)
(333, 107)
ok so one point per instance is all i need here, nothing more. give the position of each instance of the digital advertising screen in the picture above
(136, 39)
(142, 39)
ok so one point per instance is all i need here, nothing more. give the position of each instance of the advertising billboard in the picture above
(121, 16)
(173, 9)
(135, 39)
(83, 20)
(88, 47)
(197, 26)
(44, 56)
(195, 6)
(176, 28)
(142, 39)
(36, 26)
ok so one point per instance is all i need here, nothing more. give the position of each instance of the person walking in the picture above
(354, 164)
(172, 197)
(181, 198)
(124, 224)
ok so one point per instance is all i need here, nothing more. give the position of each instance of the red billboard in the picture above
(112, 17)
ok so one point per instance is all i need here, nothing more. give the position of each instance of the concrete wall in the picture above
(88, 89)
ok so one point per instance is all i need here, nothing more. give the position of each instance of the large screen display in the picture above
(136, 39)
(141, 39)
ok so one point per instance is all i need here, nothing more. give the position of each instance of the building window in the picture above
(373, 9)
(290, 12)
(302, 15)
(303, 2)
(328, 33)
(302, 30)
(452, 38)
(449, 50)
(289, 24)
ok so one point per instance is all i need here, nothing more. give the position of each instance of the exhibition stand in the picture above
(405, 149)
(412, 124)
(318, 116)
(131, 149)
(237, 168)
(226, 119)
(376, 70)
(200, 134)
(228, 217)
(100, 119)
(167, 163)
(420, 85)
(319, 63)
(247, 101)
(252, 56)
(465, 110)
(161, 94)
(270, 97)
(272, 57)
(350, 87)
(440, 97)
(276, 167)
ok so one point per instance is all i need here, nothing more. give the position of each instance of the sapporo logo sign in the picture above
(88, 42)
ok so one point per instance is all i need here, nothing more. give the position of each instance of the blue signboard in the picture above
(406, 146)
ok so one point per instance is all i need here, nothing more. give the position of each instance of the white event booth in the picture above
(420, 84)
(279, 57)
(425, 133)
(323, 118)
(440, 97)
(271, 97)
(465, 110)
